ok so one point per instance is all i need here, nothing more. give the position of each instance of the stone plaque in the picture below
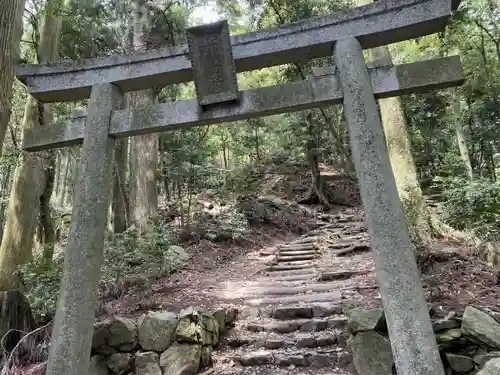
(213, 64)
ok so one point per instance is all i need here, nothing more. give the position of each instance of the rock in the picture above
(481, 359)
(206, 356)
(262, 357)
(220, 316)
(231, 315)
(480, 327)
(492, 367)
(459, 363)
(290, 359)
(181, 359)
(122, 334)
(197, 328)
(360, 320)
(179, 252)
(446, 323)
(448, 335)
(147, 363)
(101, 338)
(156, 330)
(120, 363)
(98, 366)
(372, 354)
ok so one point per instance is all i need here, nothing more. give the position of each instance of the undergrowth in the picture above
(130, 258)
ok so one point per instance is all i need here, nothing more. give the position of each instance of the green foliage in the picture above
(130, 258)
(473, 206)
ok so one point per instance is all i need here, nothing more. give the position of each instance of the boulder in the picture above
(480, 327)
(98, 366)
(147, 363)
(179, 251)
(220, 316)
(123, 334)
(360, 320)
(120, 363)
(481, 359)
(197, 328)
(459, 363)
(492, 367)
(181, 359)
(372, 354)
(156, 330)
(101, 338)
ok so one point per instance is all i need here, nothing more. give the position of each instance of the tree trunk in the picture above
(461, 139)
(144, 148)
(64, 180)
(119, 204)
(11, 26)
(33, 183)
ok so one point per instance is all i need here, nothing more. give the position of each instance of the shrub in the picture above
(473, 206)
(129, 259)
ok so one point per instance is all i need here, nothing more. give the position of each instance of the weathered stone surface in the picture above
(460, 363)
(206, 356)
(445, 324)
(257, 358)
(292, 312)
(98, 366)
(179, 252)
(480, 327)
(197, 328)
(220, 316)
(290, 359)
(181, 359)
(407, 315)
(156, 330)
(448, 335)
(492, 367)
(231, 315)
(360, 320)
(73, 325)
(272, 343)
(212, 63)
(372, 354)
(481, 359)
(123, 334)
(147, 363)
(120, 363)
(375, 25)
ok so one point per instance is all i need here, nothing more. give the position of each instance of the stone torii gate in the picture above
(212, 58)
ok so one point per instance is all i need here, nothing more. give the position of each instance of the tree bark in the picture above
(119, 205)
(33, 181)
(144, 149)
(11, 26)
(461, 139)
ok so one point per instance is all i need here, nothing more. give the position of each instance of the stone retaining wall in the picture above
(469, 343)
(158, 343)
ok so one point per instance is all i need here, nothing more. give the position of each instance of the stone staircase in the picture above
(293, 321)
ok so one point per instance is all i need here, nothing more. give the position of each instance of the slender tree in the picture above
(11, 25)
(30, 177)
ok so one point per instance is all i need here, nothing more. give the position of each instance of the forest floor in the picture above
(452, 276)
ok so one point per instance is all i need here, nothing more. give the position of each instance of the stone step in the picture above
(291, 266)
(295, 340)
(272, 370)
(295, 325)
(309, 311)
(312, 358)
(303, 246)
(297, 253)
(340, 275)
(291, 272)
(296, 257)
(273, 277)
(265, 290)
(313, 297)
(303, 240)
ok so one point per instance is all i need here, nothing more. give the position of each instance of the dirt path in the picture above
(292, 295)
